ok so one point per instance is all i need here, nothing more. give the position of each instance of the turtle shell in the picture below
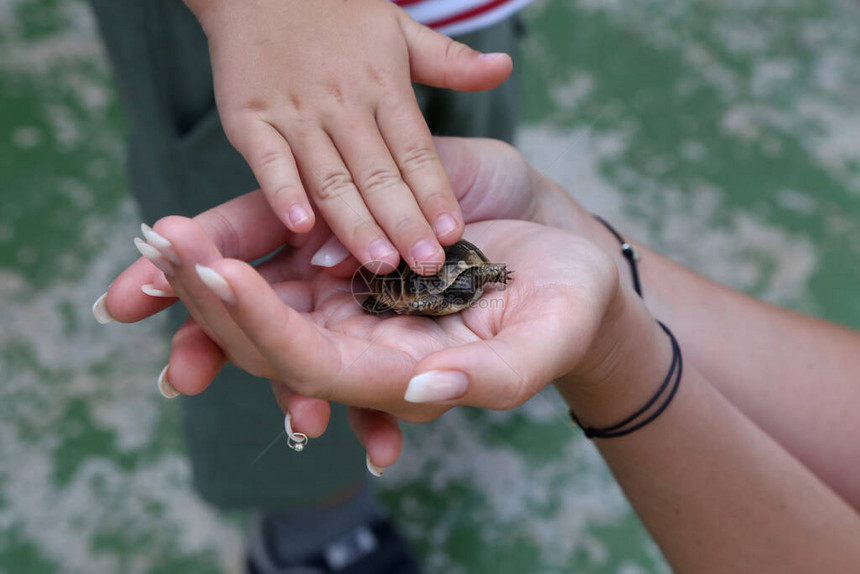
(458, 283)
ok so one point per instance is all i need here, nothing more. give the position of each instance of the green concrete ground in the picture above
(726, 134)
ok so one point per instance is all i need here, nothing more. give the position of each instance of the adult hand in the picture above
(317, 97)
(491, 179)
(312, 335)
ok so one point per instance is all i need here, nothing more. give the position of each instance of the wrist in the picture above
(555, 208)
(627, 362)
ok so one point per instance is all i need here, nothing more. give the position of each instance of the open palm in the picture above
(312, 335)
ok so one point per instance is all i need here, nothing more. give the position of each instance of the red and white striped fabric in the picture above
(454, 17)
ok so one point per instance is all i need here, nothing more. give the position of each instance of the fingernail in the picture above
(154, 256)
(297, 441)
(100, 310)
(330, 254)
(423, 251)
(164, 387)
(216, 283)
(150, 290)
(380, 250)
(298, 214)
(436, 387)
(164, 246)
(491, 55)
(445, 224)
(373, 469)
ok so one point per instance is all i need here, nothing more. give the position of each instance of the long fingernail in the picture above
(444, 225)
(164, 246)
(216, 283)
(330, 254)
(436, 387)
(100, 310)
(164, 387)
(373, 469)
(151, 290)
(154, 256)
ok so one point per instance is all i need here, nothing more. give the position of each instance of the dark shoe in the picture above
(373, 548)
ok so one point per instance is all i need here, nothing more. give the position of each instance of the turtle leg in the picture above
(493, 273)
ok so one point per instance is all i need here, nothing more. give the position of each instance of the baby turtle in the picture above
(454, 287)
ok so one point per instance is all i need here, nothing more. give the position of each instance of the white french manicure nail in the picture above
(100, 310)
(216, 283)
(164, 387)
(150, 290)
(154, 256)
(330, 254)
(164, 246)
(436, 387)
(373, 469)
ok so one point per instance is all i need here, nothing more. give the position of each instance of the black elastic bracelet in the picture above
(628, 251)
(673, 377)
(630, 424)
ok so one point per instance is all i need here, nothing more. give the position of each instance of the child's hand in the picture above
(317, 96)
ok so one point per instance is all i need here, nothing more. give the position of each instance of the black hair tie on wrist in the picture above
(648, 412)
(635, 421)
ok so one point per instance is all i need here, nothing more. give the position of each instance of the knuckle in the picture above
(254, 106)
(417, 158)
(295, 102)
(272, 159)
(377, 75)
(334, 185)
(437, 201)
(456, 50)
(380, 181)
(334, 90)
(412, 227)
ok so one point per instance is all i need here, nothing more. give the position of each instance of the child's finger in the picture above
(392, 203)
(269, 155)
(410, 143)
(337, 197)
(246, 227)
(437, 60)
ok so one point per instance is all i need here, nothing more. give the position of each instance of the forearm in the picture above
(796, 377)
(716, 492)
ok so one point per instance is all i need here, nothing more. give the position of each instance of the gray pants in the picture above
(180, 162)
